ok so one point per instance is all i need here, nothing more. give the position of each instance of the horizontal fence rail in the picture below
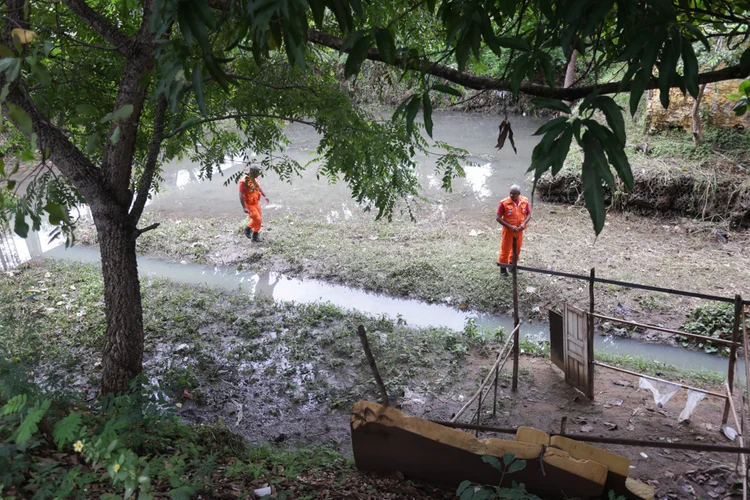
(626, 284)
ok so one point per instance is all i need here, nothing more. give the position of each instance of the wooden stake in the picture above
(730, 401)
(733, 351)
(371, 360)
(516, 320)
(501, 356)
(590, 343)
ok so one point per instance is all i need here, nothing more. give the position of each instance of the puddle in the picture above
(413, 312)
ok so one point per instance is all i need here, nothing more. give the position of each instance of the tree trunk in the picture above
(123, 351)
(695, 115)
(570, 71)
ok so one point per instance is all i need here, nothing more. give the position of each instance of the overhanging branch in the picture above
(99, 24)
(476, 82)
(234, 117)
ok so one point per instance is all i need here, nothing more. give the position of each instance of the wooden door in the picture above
(576, 349)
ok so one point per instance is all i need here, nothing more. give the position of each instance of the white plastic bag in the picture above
(663, 391)
(694, 397)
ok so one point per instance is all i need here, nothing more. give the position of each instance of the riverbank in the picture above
(288, 373)
(450, 258)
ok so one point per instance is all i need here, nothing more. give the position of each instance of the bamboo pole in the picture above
(733, 351)
(622, 370)
(590, 341)
(487, 378)
(371, 360)
(730, 402)
(516, 320)
(661, 329)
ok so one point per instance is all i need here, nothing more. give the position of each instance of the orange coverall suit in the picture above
(514, 214)
(250, 190)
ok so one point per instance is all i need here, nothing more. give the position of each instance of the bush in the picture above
(714, 320)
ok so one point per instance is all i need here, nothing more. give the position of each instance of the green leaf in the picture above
(493, 461)
(519, 69)
(5, 51)
(93, 142)
(115, 137)
(427, 110)
(87, 110)
(554, 124)
(446, 89)
(744, 87)
(411, 113)
(560, 149)
(555, 104)
(508, 458)
(57, 213)
(2, 167)
(29, 425)
(120, 114)
(386, 45)
(15, 405)
(619, 160)
(356, 56)
(613, 114)
(67, 430)
(513, 43)
(198, 88)
(483, 494)
(698, 34)
(690, 68)
(516, 466)
(462, 487)
(740, 108)
(21, 119)
(593, 193)
(20, 227)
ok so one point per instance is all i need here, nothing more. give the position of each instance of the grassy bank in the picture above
(228, 355)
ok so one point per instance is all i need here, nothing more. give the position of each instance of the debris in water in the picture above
(610, 425)
(587, 428)
(644, 455)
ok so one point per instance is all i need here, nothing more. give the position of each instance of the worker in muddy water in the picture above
(513, 213)
(250, 193)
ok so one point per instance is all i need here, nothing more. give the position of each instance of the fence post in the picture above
(590, 342)
(733, 353)
(515, 316)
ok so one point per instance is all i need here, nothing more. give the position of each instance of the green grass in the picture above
(663, 370)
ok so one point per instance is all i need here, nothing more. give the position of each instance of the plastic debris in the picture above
(730, 433)
(694, 397)
(663, 391)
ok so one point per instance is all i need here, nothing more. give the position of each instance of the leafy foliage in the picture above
(714, 320)
(470, 491)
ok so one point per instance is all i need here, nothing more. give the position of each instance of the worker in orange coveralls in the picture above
(250, 193)
(513, 213)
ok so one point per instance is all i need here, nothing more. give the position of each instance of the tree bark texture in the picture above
(123, 350)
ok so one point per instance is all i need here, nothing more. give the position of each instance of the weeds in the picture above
(715, 320)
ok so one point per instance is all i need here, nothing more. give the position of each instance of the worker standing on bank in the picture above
(250, 193)
(513, 213)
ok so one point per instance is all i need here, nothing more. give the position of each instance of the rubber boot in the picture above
(504, 272)
(256, 236)
(248, 232)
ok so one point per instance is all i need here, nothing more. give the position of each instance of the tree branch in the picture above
(63, 153)
(476, 82)
(235, 116)
(144, 186)
(153, 226)
(99, 24)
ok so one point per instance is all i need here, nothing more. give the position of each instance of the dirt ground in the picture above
(619, 410)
